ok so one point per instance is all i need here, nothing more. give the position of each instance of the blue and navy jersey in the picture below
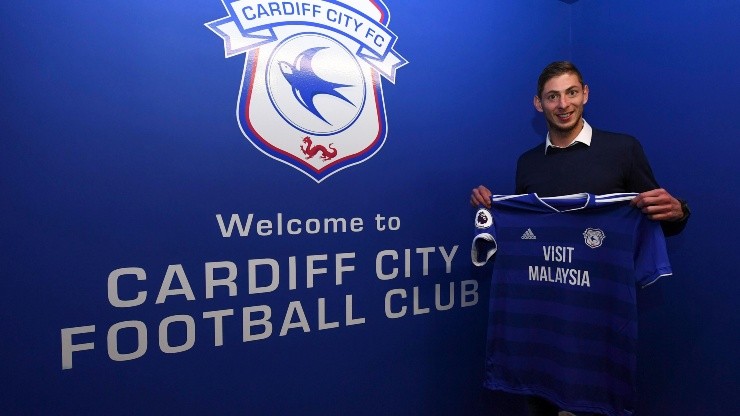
(563, 312)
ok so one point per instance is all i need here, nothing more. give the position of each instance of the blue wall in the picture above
(666, 72)
(120, 146)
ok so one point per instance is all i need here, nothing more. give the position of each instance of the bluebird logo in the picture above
(594, 237)
(306, 89)
(307, 85)
(312, 78)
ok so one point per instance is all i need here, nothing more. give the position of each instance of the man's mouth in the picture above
(564, 116)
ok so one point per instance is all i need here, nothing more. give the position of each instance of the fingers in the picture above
(658, 205)
(651, 198)
(480, 196)
(658, 212)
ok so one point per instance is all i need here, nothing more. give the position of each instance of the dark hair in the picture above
(555, 69)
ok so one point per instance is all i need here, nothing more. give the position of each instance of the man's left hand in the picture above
(659, 205)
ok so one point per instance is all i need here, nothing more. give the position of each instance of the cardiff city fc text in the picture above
(245, 287)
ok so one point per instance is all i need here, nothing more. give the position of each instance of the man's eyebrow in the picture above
(558, 92)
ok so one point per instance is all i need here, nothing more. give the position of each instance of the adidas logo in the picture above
(529, 235)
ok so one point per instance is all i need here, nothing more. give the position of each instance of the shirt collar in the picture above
(583, 137)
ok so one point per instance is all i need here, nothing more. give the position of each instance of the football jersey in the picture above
(563, 311)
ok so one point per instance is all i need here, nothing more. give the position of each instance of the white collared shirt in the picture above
(584, 136)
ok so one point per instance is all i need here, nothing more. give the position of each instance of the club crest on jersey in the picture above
(311, 94)
(594, 237)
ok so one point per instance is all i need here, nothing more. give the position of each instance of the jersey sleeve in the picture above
(651, 254)
(484, 242)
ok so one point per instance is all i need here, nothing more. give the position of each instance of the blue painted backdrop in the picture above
(119, 146)
(667, 73)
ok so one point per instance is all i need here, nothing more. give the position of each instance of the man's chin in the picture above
(563, 128)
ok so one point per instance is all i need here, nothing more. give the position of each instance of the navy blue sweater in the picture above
(613, 163)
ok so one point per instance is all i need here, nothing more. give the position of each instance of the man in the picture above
(577, 158)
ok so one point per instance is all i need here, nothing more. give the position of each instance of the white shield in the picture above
(311, 93)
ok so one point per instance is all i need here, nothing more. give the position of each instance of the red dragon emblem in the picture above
(311, 150)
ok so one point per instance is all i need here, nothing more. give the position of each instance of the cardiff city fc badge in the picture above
(311, 93)
(594, 237)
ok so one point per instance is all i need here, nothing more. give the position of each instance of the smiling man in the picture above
(562, 104)
(577, 158)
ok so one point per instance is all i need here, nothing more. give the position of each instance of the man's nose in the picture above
(563, 101)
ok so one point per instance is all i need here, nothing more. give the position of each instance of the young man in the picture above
(577, 158)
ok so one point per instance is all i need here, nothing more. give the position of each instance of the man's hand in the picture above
(481, 196)
(659, 205)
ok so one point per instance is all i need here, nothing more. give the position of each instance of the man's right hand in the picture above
(480, 196)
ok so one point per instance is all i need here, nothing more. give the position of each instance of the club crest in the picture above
(311, 93)
(593, 237)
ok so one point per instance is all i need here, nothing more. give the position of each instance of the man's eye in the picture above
(552, 97)
(572, 93)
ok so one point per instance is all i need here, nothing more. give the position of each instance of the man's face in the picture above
(562, 101)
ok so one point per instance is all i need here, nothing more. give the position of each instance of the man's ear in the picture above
(538, 104)
(585, 94)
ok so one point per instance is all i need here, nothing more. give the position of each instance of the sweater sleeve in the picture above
(641, 179)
